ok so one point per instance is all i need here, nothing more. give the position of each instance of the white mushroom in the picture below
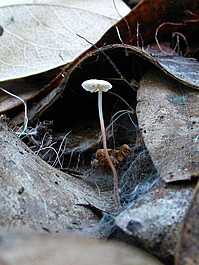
(95, 85)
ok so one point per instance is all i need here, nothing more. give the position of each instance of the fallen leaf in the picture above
(139, 27)
(185, 70)
(153, 221)
(25, 88)
(188, 249)
(104, 7)
(38, 197)
(39, 37)
(168, 115)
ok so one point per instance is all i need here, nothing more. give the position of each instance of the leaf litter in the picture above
(136, 142)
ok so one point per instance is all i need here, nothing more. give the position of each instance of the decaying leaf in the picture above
(188, 249)
(39, 37)
(139, 27)
(25, 88)
(36, 196)
(153, 222)
(168, 115)
(174, 66)
(108, 60)
(185, 70)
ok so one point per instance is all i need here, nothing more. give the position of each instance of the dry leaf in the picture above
(139, 27)
(153, 221)
(168, 115)
(38, 197)
(104, 7)
(185, 70)
(39, 37)
(25, 88)
(188, 250)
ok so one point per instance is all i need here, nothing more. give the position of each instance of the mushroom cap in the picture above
(94, 85)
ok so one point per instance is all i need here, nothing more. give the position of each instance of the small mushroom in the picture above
(95, 85)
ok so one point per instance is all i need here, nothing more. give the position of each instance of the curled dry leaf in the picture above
(182, 69)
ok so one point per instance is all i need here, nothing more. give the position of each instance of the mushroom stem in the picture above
(115, 178)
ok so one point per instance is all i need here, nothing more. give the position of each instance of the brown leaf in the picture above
(26, 88)
(139, 27)
(112, 62)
